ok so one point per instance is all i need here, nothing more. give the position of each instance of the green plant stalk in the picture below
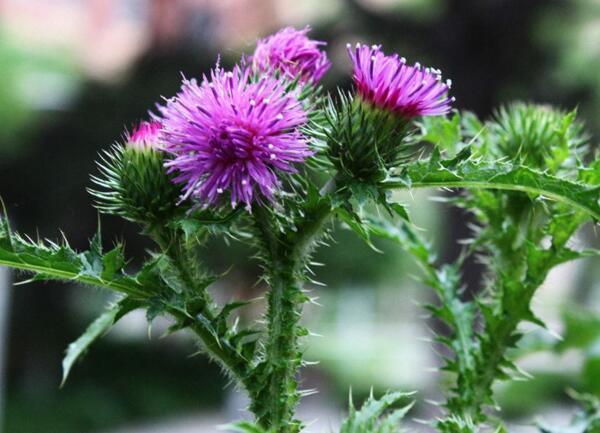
(274, 403)
(231, 361)
(491, 353)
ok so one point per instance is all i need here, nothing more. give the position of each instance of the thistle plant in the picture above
(261, 154)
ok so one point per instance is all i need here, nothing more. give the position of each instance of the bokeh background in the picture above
(75, 73)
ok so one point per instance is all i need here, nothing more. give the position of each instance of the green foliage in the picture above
(586, 421)
(245, 427)
(53, 261)
(527, 189)
(369, 418)
(466, 171)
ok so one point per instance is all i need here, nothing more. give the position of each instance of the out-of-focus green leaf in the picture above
(582, 328)
(96, 330)
(369, 418)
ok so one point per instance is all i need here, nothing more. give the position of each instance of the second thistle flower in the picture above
(292, 53)
(367, 130)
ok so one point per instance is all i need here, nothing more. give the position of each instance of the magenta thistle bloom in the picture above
(291, 52)
(388, 83)
(144, 136)
(232, 135)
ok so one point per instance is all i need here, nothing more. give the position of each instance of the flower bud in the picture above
(538, 136)
(293, 54)
(133, 181)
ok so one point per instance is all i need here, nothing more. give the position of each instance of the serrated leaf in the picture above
(497, 175)
(96, 330)
(368, 419)
(50, 261)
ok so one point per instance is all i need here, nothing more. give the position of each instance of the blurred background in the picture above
(75, 73)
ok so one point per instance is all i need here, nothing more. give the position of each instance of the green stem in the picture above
(275, 400)
(233, 363)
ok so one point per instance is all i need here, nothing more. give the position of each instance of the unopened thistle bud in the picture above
(539, 136)
(133, 181)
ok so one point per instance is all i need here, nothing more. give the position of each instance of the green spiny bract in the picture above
(134, 184)
(363, 142)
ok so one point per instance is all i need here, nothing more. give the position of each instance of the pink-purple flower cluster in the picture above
(231, 135)
(291, 52)
(388, 83)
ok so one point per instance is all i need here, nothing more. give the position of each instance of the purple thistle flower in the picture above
(291, 52)
(144, 136)
(233, 134)
(388, 83)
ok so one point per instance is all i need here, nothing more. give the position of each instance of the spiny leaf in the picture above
(51, 261)
(96, 330)
(368, 419)
(497, 175)
(244, 427)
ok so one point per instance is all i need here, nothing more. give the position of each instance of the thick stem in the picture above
(275, 401)
(278, 398)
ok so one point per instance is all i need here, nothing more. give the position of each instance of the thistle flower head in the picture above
(291, 52)
(145, 135)
(231, 136)
(388, 83)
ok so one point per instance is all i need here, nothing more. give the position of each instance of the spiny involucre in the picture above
(232, 135)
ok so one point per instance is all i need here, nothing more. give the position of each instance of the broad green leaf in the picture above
(96, 330)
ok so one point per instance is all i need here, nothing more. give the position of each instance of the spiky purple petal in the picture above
(230, 135)
(291, 52)
(144, 136)
(389, 83)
